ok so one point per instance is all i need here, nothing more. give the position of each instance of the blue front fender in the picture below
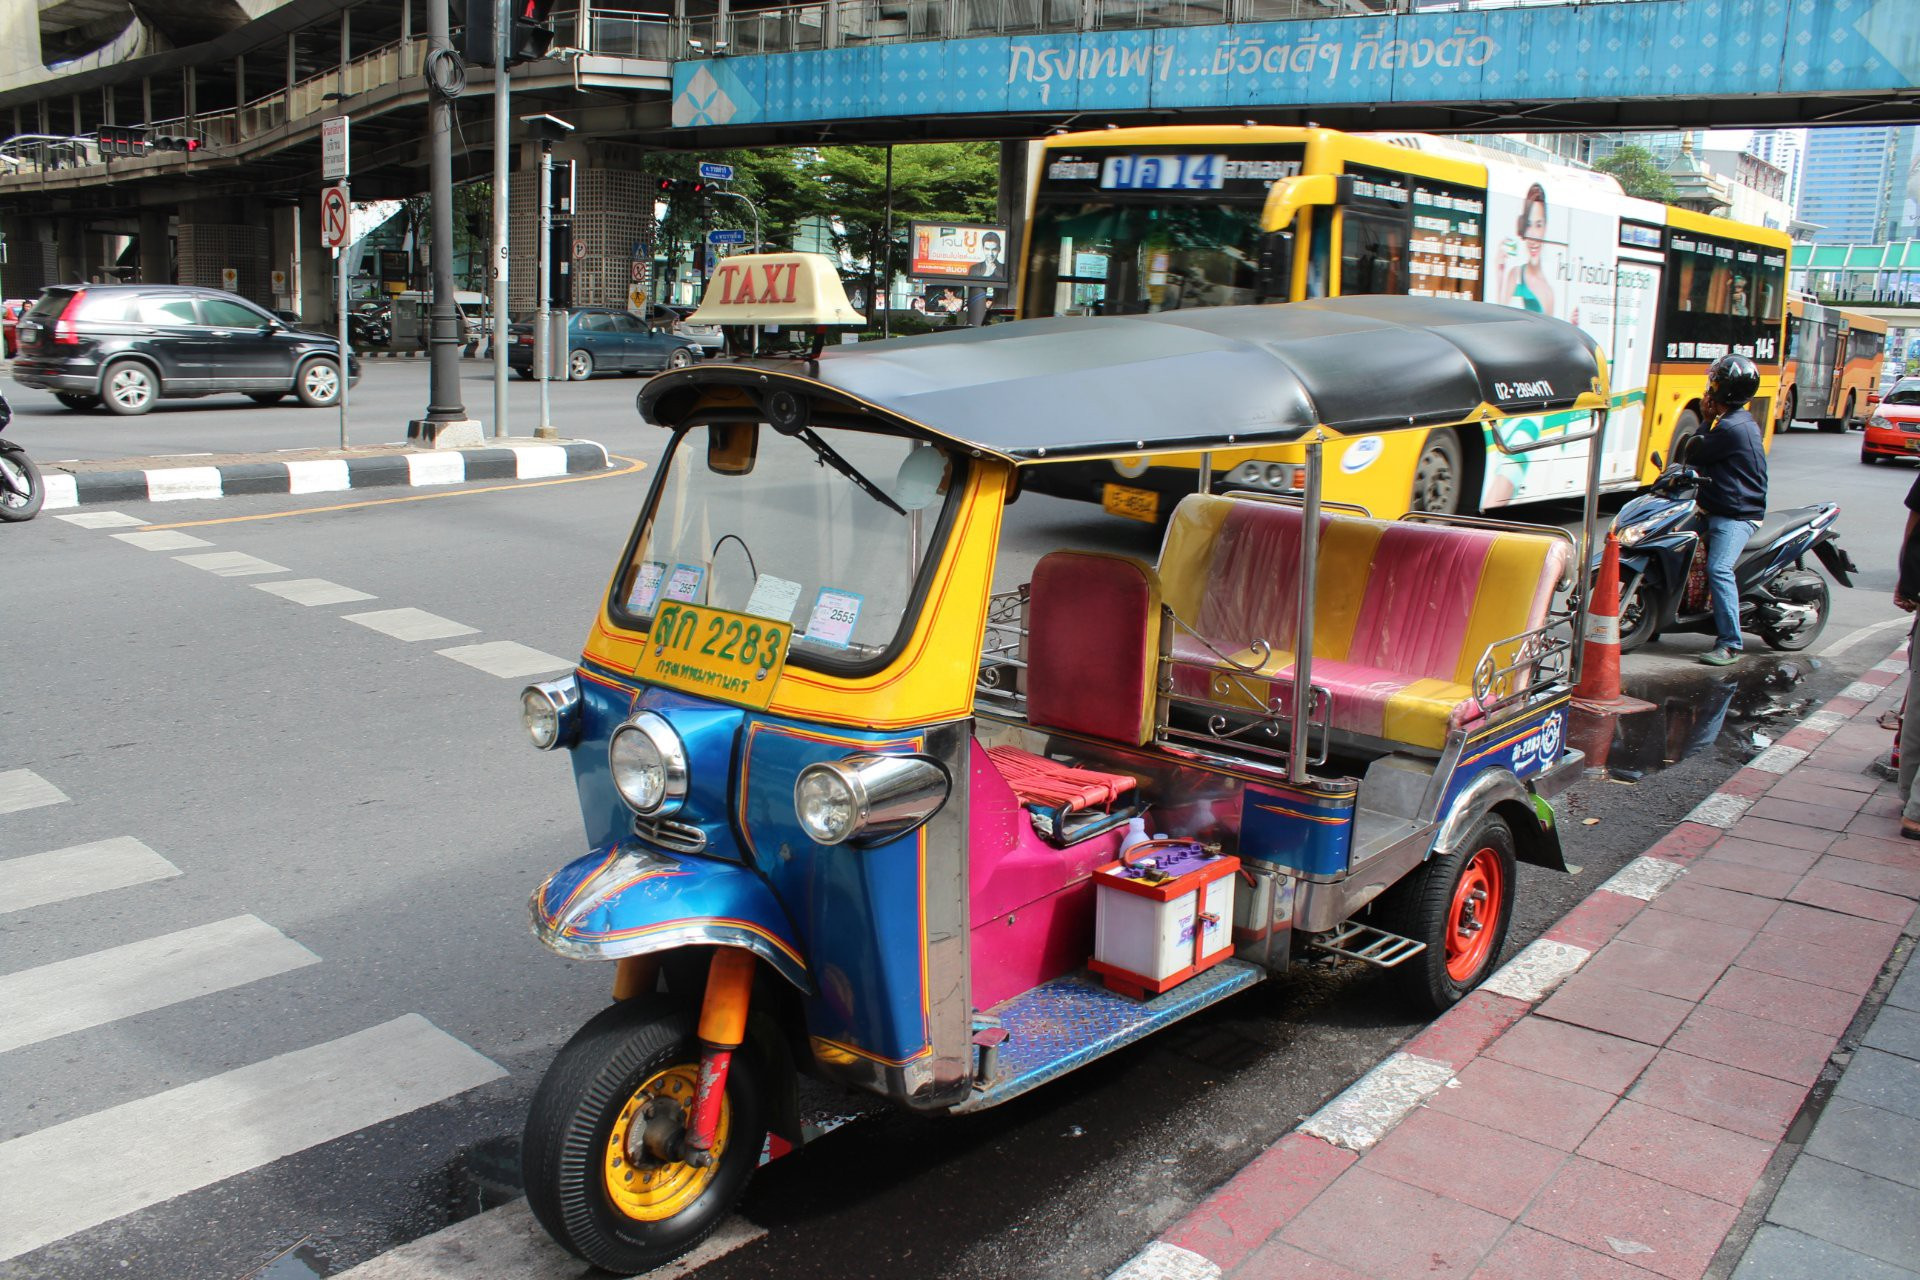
(630, 900)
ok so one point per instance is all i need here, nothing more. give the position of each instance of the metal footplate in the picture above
(1365, 943)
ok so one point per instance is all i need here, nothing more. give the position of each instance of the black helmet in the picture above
(1732, 380)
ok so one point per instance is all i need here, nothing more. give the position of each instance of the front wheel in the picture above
(680, 358)
(1459, 904)
(598, 1154)
(1638, 611)
(1788, 409)
(580, 365)
(21, 491)
(131, 388)
(1802, 589)
(1439, 478)
(318, 384)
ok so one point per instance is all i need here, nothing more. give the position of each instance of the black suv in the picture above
(128, 345)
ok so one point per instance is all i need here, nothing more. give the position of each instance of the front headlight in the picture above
(550, 712)
(649, 765)
(874, 797)
(1879, 423)
(1633, 533)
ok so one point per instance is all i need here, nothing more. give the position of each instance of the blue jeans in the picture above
(1726, 539)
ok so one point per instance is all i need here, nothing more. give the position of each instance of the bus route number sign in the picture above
(1163, 173)
(732, 657)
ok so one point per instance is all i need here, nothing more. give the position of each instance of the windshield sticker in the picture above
(684, 585)
(773, 598)
(834, 613)
(646, 587)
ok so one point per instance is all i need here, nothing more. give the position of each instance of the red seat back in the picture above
(1093, 645)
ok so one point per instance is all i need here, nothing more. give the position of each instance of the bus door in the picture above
(1837, 381)
(1636, 304)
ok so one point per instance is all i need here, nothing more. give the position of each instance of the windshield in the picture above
(1903, 393)
(826, 531)
(1104, 257)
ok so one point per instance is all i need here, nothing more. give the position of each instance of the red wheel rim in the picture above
(1474, 915)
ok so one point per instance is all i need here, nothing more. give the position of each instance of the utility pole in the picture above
(546, 130)
(502, 126)
(446, 424)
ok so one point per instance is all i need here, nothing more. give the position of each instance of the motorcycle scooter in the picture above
(21, 492)
(1663, 584)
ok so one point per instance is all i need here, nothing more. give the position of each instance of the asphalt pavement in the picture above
(304, 738)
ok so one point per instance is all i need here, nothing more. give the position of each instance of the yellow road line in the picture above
(633, 465)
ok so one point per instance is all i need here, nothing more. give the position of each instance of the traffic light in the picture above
(121, 140)
(532, 32)
(683, 187)
(163, 142)
(476, 37)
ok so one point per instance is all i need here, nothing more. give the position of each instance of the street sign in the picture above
(229, 279)
(579, 249)
(637, 271)
(333, 148)
(716, 172)
(335, 217)
(279, 285)
(726, 237)
(637, 298)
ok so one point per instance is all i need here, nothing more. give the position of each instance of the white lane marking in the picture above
(509, 1244)
(535, 461)
(231, 564)
(71, 995)
(102, 520)
(1643, 878)
(436, 468)
(507, 659)
(76, 871)
(172, 484)
(1361, 1115)
(1777, 758)
(25, 789)
(411, 624)
(61, 490)
(316, 475)
(312, 591)
(1719, 810)
(1541, 966)
(161, 540)
(1862, 634)
(198, 1134)
(1163, 1261)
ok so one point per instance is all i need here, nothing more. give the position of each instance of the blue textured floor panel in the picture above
(1073, 1020)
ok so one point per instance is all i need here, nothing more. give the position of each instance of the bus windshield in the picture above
(1110, 257)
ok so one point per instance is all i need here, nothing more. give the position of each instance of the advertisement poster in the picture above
(952, 250)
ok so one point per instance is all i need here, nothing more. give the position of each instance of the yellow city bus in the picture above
(1152, 219)
(1831, 367)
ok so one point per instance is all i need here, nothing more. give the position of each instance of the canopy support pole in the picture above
(1299, 749)
(1206, 472)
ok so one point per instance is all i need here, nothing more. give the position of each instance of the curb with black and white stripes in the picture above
(323, 475)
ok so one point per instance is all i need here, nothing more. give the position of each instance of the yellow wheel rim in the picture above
(654, 1193)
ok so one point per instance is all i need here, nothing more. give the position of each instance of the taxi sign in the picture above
(776, 289)
(730, 657)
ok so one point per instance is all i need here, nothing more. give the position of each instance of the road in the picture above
(302, 1015)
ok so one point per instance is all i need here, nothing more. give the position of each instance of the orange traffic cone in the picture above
(1599, 687)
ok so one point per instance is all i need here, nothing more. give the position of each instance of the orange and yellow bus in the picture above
(1832, 365)
(1135, 220)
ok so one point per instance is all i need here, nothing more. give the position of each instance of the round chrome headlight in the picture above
(875, 797)
(550, 712)
(649, 765)
(828, 807)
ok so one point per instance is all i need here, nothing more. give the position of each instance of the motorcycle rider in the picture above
(1729, 455)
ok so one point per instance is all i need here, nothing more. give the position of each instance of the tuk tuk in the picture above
(854, 816)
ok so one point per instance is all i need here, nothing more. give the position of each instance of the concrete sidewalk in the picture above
(1711, 1067)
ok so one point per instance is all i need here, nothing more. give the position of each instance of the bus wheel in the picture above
(1439, 478)
(1685, 428)
(1788, 408)
(1847, 420)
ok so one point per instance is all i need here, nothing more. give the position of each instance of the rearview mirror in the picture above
(732, 447)
(1659, 462)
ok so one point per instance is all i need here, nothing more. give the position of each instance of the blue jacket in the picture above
(1733, 466)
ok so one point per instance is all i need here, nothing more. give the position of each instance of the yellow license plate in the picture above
(733, 657)
(1130, 503)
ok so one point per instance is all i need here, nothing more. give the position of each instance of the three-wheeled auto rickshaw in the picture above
(854, 815)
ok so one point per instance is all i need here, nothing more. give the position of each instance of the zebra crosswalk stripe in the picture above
(75, 872)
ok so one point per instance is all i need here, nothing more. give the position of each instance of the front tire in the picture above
(680, 358)
(77, 400)
(582, 1183)
(1439, 477)
(1800, 586)
(318, 384)
(579, 365)
(1637, 612)
(1788, 408)
(131, 388)
(21, 491)
(1460, 905)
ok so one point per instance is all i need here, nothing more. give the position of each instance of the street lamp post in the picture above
(446, 424)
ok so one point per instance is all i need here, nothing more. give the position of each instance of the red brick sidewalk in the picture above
(1605, 1105)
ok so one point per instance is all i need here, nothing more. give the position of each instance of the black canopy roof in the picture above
(1099, 386)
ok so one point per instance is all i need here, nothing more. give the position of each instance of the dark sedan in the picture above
(607, 340)
(126, 346)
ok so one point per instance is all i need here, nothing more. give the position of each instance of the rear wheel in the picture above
(77, 400)
(1459, 904)
(579, 365)
(599, 1154)
(1801, 587)
(21, 492)
(1788, 407)
(1439, 478)
(1847, 421)
(318, 384)
(131, 388)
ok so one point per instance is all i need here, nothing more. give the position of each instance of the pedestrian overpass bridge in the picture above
(1882, 280)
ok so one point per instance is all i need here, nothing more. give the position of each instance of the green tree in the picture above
(1638, 172)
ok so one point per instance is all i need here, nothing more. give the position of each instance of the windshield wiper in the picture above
(825, 452)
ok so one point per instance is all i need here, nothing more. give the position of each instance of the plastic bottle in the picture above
(1135, 833)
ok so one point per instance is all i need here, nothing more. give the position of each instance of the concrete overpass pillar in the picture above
(70, 245)
(1012, 206)
(156, 247)
(613, 205)
(217, 236)
(315, 282)
(33, 257)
